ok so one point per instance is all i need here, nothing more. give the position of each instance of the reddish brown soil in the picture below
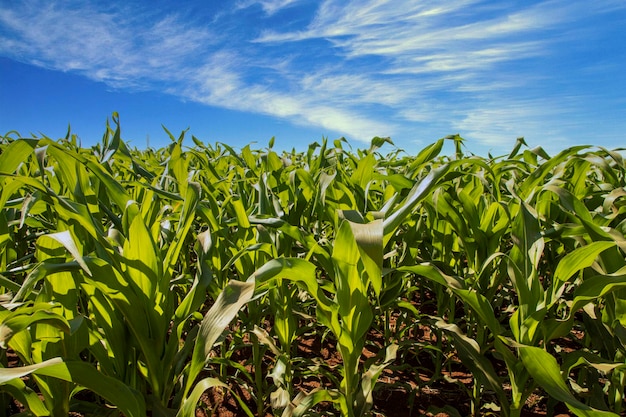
(407, 388)
(400, 392)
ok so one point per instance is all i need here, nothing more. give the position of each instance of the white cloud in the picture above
(465, 60)
(497, 124)
(351, 88)
(360, 67)
(444, 63)
(220, 86)
(270, 7)
(105, 45)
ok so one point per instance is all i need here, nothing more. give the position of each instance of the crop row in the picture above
(133, 282)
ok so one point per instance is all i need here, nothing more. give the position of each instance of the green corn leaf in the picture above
(112, 356)
(26, 396)
(303, 402)
(298, 235)
(516, 148)
(417, 194)
(364, 171)
(61, 287)
(24, 316)
(5, 236)
(29, 201)
(129, 402)
(279, 398)
(179, 167)
(472, 356)
(397, 181)
(249, 157)
(67, 241)
(197, 294)
(11, 186)
(545, 370)
(595, 287)
(525, 257)
(293, 269)
(188, 407)
(232, 298)
(115, 191)
(8, 284)
(579, 259)
(7, 374)
(38, 273)
(377, 142)
(325, 180)
(143, 321)
(481, 306)
(365, 400)
(531, 182)
(187, 217)
(428, 153)
(141, 259)
(303, 272)
(240, 212)
(15, 154)
(586, 358)
(350, 282)
(266, 339)
(528, 329)
(369, 241)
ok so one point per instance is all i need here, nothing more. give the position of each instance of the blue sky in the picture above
(243, 71)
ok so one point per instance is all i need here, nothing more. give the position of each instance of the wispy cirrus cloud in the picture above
(112, 45)
(269, 6)
(219, 84)
(358, 68)
(477, 73)
(168, 53)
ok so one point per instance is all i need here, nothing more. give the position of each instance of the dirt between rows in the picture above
(407, 388)
(401, 391)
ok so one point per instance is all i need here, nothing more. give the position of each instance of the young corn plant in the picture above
(533, 321)
(121, 283)
(120, 269)
(357, 261)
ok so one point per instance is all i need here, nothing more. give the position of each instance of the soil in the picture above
(399, 392)
(406, 388)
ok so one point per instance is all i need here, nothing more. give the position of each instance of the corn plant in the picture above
(120, 269)
(348, 314)
(534, 320)
(126, 286)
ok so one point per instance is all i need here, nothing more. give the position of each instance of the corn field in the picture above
(136, 282)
